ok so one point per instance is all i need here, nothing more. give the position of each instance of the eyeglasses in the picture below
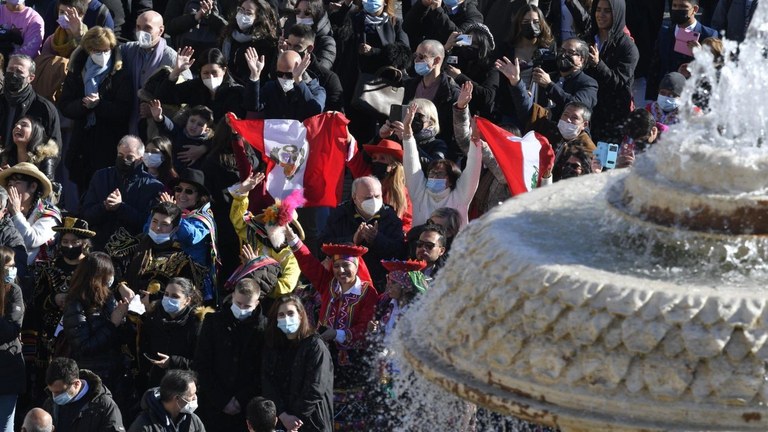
(188, 191)
(425, 245)
(284, 74)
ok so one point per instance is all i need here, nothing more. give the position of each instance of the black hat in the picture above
(193, 177)
(78, 227)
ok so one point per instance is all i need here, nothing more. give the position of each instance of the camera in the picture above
(545, 59)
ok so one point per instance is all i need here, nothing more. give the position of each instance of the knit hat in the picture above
(674, 82)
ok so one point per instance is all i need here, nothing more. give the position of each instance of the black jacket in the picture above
(307, 99)
(578, 87)
(32, 105)
(614, 75)
(581, 17)
(93, 339)
(229, 96)
(10, 237)
(324, 52)
(334, 93)
(227, 358)
(95, 147)
(11, 361)
(154, 417)
(175, 337)
(299, 380)
(423, 22)
(342, 224)
(96, 411)
(446, 96)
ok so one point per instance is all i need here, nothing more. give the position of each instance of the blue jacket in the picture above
(139, 193)
(307, 99)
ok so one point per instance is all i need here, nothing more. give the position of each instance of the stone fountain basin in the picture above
(545, 311)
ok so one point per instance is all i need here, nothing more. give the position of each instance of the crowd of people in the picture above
(146, 268)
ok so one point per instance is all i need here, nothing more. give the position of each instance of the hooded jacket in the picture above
(96, 411)
(614, 75)
(154, 417)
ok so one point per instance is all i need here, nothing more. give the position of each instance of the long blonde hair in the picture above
(393, 187)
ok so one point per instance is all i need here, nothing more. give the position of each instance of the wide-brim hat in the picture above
(27, 169)
(340, 251)
(387, 147)
(73, 225)
(193, 177)
(404, 266)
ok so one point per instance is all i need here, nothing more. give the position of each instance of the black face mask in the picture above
(466, 54)
(530, 31)
(379, 170)
(417, 124)
(123, 166)
(13, 82)
(564, 63)
(72, 253)
(678, 16)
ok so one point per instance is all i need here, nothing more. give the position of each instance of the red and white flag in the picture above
(522, 160)
(308, 155)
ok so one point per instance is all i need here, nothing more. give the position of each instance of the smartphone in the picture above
(452, 60)
(607, 153)
(464, 39)
(397, 112)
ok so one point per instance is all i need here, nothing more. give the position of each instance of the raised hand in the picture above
(255, 63)
(594, 55)
(510, 69)
(300, 67)
(410, 113)
(166, 197)
(465, 95)
(156, 108)
(183, 61)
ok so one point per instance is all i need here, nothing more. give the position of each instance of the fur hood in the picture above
(44, 150)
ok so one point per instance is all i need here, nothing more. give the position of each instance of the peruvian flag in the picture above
(522, 160)
(308, 155)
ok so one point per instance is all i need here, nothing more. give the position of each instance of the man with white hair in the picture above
(121, 195)
(367, 221)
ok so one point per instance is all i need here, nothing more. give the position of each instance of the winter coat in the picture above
(423, 22)
(154, 417)
(44, 155)
(306, 99)
(732, 17)
(94, 148)
(614, 74)
(174, 337)
(10, 237)
(96, 411)
(12, 380)
(94, 341)
(343, 222)
(446, 96)
(300, 382)
(139, 192)
(32, 105)
(179, 139)
(580, 14)
(227, 358)
(228, 98)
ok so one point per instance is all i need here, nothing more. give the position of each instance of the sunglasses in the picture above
(284, 74)
(188, 191)
(426, 245)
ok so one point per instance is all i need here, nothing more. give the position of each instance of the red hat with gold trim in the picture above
(404, 266)
(349, 253)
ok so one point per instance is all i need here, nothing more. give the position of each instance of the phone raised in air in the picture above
(397, 112)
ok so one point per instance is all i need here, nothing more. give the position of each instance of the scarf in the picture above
(18, 104)
(240, 37)
(371, 21)
(155, 61)
(93, 75)
(62, 44)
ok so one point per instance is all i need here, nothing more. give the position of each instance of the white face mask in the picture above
(244, 21)
(153, 160)
(286, 84)
(144, 39)
(308, 21)
(240, 314)
(190, 407)
(568, 130)
(101, 58)
(371, 206)
(213, 83)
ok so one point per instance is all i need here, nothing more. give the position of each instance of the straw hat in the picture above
(30, 170)
(73, 225)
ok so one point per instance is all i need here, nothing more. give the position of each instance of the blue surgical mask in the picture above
(289, 324)
(240, 314)
(422, 68)
(153, 160)
(159, 238)
(436, 185)
(171, 305)
(451, 3)
(11, 273)
(62, 399)
(372, 6)
(668, 104)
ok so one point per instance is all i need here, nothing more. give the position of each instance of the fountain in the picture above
(630, 301)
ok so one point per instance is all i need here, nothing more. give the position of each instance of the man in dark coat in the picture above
(170, 406)
(122, 195)
(437, 19)
(79, 402)
(301, 39)
(227, 358)
(20, 99)
(367, 221)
